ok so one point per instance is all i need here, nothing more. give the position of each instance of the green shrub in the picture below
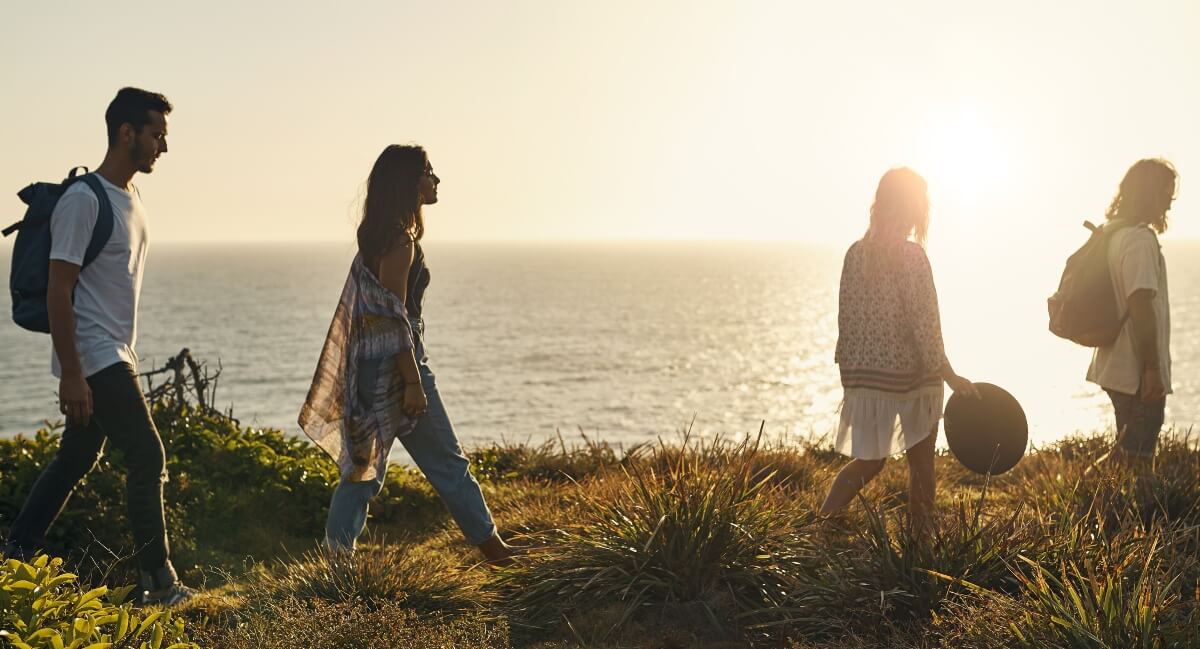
(42, 606)
(234, 492)
(94, 518)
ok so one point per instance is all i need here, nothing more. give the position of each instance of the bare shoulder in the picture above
(397, 260)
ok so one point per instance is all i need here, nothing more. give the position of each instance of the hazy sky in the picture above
(613, 120)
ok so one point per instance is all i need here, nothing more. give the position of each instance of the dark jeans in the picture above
(1138, 423)
(119, 414)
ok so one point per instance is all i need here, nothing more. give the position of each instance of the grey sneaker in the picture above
(162, 588)
(169, 597)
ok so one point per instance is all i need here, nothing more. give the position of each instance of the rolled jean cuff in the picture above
(481, 537)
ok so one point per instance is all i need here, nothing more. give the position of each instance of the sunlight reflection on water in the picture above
(627, 341)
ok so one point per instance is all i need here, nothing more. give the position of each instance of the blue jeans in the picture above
(434, 448)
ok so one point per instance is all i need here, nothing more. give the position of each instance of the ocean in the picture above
(625, 342)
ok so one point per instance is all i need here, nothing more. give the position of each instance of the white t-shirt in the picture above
(106, 296)
(1136, 262)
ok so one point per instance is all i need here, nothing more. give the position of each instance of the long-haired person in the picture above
(889, 348)
(1135, 370)
(373, 384)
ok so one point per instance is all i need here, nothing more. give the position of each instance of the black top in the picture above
(418, 281)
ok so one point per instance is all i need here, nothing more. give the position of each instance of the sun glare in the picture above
(964, 157)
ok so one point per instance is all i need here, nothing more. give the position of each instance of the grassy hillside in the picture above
(693, 543)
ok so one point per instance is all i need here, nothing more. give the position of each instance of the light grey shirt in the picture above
(106, 295)
(1136, 262)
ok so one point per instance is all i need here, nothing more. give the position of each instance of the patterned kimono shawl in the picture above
(370, 323)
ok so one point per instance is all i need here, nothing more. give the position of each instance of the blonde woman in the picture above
(889, 349)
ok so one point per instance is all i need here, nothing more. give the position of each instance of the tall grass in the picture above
(672, 531)
(879, 575)
(293, 624)
(375, 574)
(714, 544)
(1132, 602)
(703, 543)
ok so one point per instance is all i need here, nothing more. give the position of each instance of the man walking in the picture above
(93, 328)
(1135, 370)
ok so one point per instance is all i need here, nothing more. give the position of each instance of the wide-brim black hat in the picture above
(989, 434)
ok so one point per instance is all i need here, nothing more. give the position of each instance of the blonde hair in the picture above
(901, 208)
(1141, 196)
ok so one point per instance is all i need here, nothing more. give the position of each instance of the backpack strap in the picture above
(104, 219)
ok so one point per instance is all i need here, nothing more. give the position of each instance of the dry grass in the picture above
(714, 545)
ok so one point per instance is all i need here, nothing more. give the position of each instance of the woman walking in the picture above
(889, 349)
(373, 384)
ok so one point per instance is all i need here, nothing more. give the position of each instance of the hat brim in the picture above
(987, 435)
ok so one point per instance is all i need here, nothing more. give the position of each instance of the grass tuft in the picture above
(375, 574)
(674, 531)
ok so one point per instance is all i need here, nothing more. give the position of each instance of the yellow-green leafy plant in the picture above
(44, 607)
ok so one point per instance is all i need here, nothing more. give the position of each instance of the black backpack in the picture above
(30, 274)
(1084, 310)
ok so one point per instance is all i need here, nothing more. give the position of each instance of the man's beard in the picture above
(142, 158)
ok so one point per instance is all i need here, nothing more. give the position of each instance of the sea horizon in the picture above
(627, 341)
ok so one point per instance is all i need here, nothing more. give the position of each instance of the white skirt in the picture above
(874, 425)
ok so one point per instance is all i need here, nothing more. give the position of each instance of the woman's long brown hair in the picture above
(392, 209)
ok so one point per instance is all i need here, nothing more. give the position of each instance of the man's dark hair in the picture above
(132, 106)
